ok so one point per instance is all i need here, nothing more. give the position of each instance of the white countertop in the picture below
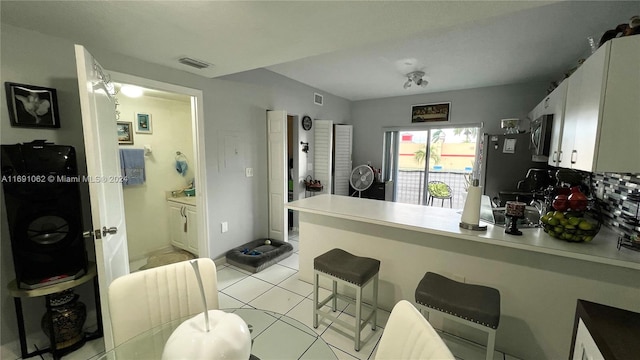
(186, 200)
(445, 222)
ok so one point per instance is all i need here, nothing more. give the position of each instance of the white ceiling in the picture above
(356, 50)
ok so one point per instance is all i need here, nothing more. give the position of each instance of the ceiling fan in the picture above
(415, 77)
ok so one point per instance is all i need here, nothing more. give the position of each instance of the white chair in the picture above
(148, 298)
(408, 335)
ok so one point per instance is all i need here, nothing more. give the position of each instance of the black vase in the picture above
(68, 316)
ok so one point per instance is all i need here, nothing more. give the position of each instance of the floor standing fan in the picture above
(361, 179)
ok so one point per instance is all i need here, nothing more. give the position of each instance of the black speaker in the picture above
(44, 211)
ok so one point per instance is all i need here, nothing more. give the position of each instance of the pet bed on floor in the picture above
(257, 255)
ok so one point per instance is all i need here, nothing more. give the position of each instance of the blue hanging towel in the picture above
(132, 165)
(181, 167)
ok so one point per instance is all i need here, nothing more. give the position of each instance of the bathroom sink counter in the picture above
(186, 200)
(539, 278)
(444, 221)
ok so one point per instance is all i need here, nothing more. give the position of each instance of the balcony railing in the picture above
(410, 187)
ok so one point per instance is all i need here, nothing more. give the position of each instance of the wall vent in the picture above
(193, 63)
(317, 99)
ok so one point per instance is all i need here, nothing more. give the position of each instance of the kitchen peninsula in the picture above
(539, 278)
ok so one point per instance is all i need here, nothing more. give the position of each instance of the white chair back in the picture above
(408, 335)
(145, 299)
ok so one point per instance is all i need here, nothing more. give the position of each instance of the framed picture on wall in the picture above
(143, 123)
(125, 133)
(430, 112)
(32, 106)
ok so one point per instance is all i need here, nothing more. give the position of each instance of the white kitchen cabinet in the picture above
(182, 226)
(602, 112)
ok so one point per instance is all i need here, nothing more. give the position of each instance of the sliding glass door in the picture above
(440, 159)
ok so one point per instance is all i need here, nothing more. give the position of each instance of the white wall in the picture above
(231, 106)
(145, 205)
(297, 99)
(488, 105)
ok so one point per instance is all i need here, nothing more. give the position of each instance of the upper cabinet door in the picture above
(620, 131)
(583, 109)
(602, 116)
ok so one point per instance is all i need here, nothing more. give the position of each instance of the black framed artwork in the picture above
(430, 112)
(32, 106)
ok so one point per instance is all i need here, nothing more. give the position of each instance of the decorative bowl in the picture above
(569, 226)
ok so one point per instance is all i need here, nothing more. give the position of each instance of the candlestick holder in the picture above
(512, 228)
(514, 210)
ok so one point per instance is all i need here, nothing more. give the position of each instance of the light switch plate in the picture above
(248, 172)
(224, 226)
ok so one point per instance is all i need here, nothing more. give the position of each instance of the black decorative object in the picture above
(32, 106)
(514, 211)
(66, 316)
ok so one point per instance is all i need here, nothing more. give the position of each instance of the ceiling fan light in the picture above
(416, 77)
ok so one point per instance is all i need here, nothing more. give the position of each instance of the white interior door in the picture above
(323, 143)
(103, 167)
(277, 171)
(342, 159)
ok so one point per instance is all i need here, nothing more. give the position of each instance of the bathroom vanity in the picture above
(183, 229)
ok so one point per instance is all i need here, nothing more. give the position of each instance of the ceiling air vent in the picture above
(318, 99)
(193, 63)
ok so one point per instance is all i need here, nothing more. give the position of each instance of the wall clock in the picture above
(306, 123)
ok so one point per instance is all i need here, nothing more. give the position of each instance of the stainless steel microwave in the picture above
(541, 137)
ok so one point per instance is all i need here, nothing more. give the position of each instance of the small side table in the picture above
(18, 294)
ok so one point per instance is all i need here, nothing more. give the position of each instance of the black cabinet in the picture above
(604, 332)
(376, 191)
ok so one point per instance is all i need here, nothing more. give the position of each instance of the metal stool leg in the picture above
(334, 300)
(375, 303)
(358, 317)
(491, 343)
(315, 299)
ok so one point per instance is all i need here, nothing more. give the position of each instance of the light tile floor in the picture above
(278, 289)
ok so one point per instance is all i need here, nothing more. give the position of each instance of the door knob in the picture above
(112, 230)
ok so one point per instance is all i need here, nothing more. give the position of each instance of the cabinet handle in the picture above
(559, 156)
(546, 103)
(554, 157)
(574, 156)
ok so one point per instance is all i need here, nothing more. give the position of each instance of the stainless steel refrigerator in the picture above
(505, 161)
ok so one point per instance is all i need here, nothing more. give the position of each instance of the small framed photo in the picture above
(430, 112)
(125, 133)
(32, 106)
(143, 123)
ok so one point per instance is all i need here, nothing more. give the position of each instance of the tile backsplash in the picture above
(619, 210)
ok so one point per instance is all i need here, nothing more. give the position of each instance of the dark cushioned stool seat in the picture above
(348, 267)
(268, 254)
(476, 303)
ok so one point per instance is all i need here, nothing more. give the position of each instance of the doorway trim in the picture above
(197, 121)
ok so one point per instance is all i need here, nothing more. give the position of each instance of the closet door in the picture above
(343, 139)
(323, 143)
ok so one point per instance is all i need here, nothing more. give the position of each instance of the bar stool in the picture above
(352, 271)
(474, 305)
